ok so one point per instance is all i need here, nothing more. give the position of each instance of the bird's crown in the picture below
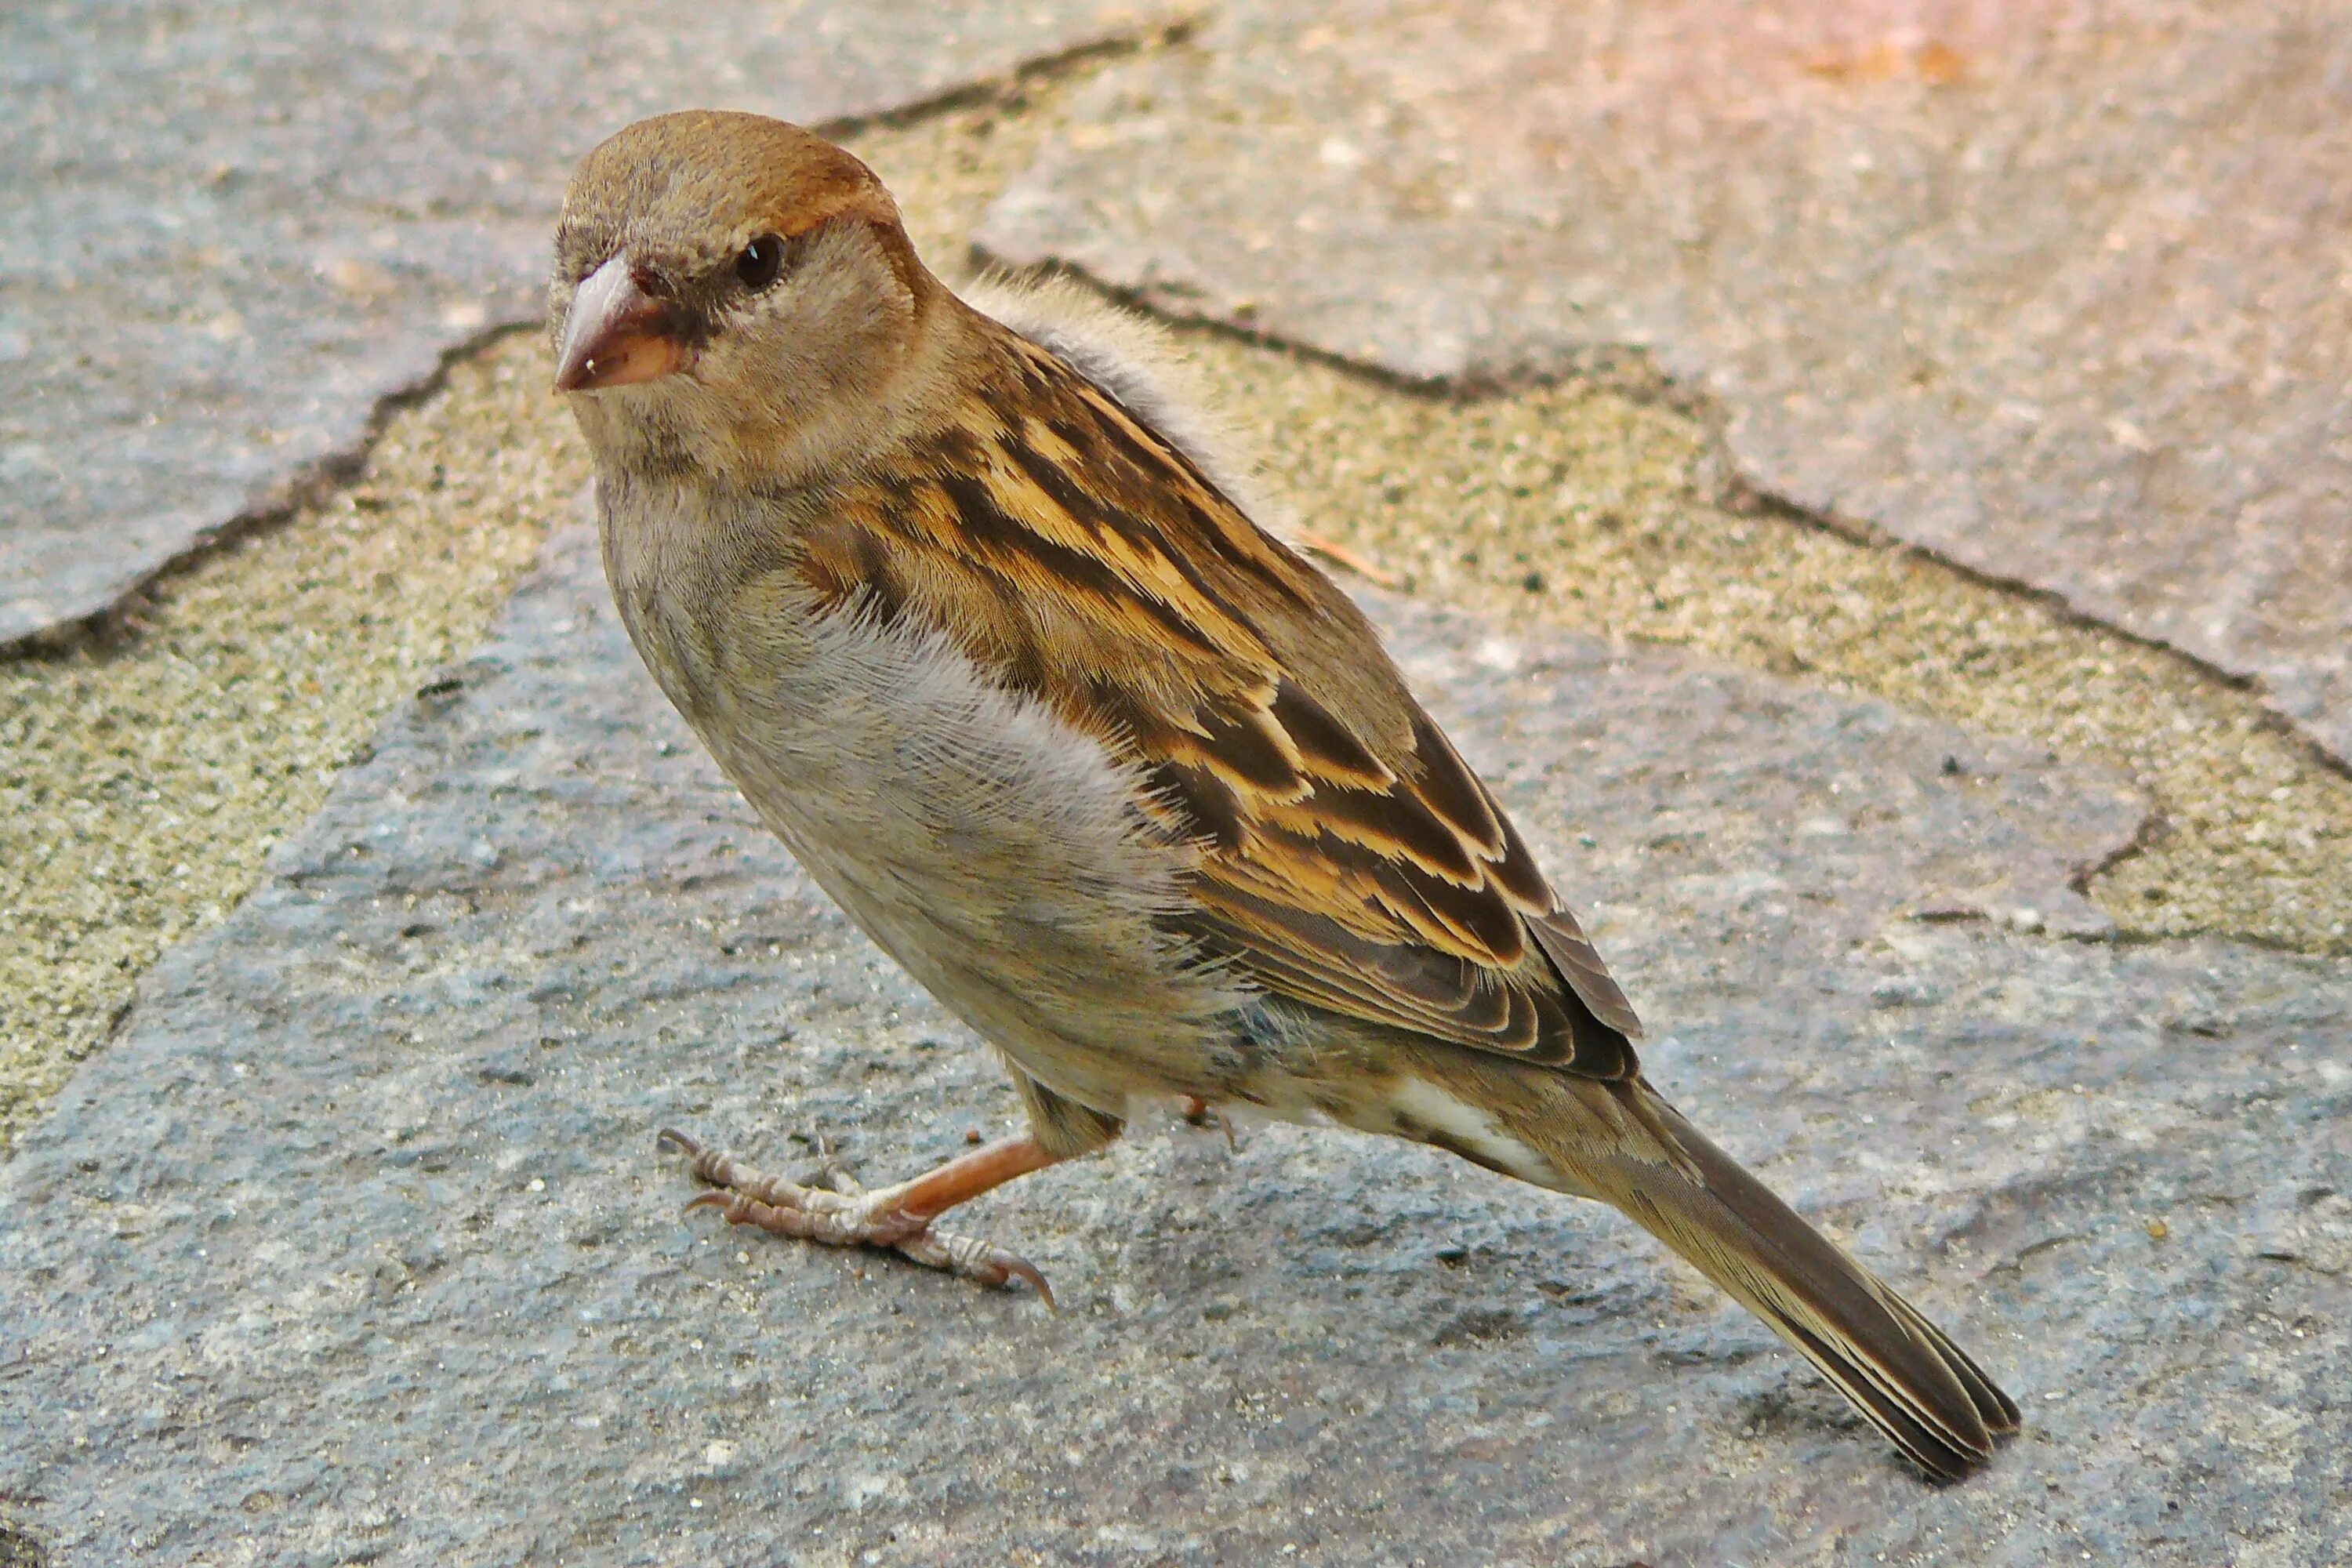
(708, 180)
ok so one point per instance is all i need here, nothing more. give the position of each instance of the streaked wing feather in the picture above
(1563, 940)
(1347, 857)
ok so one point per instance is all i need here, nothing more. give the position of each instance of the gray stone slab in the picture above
(354, 1244)
(233, 228)
(2055, 291)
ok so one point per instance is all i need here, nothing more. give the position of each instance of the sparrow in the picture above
(967, 598)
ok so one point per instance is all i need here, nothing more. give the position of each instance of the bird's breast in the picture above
(991, 848)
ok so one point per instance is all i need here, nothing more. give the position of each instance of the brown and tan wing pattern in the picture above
(1348, 860)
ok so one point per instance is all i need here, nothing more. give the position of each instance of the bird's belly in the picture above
(992, 849)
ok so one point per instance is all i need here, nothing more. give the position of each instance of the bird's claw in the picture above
(853, 1218)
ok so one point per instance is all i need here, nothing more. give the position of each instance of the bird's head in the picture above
(730, 292)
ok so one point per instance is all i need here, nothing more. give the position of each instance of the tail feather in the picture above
(1898, 1369)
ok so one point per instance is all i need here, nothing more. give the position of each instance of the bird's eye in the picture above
(759, 262)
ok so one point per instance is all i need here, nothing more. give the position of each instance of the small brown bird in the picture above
(974, 612)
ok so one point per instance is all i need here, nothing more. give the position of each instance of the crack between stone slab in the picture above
(1622, 368)
(278, 503)
(2150, 831)
(1739, 494)
(1043, 70)
(118, 624)
(2013, 1266)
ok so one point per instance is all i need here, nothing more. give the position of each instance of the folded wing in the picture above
(1345, 856)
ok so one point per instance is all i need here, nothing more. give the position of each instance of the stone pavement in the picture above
(2059, 291)
(356, 1246)
(352, 1244)
(235, 229)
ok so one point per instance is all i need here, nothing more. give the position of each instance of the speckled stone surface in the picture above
(2056, 290)
(233, 228)
(354, 1244)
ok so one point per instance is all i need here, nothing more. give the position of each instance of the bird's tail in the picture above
(1899, 1369)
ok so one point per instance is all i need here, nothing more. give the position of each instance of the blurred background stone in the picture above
(2058, 291)
(235, 228)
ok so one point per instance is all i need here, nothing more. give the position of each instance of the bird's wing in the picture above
(1347, 857)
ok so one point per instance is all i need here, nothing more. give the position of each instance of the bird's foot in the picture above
(898, 1218)
(1198, 1112)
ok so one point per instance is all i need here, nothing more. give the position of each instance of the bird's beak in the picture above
(616, 334)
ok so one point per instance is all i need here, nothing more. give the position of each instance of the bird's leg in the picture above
(1198, 1112)
(898, 1218)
